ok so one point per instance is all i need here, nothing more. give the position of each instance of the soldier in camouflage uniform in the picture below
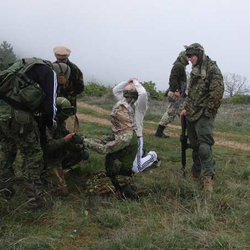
(19, 131)
(204, 98)
(175, 93)
(75, 85)
(121, 147)
(63, 149)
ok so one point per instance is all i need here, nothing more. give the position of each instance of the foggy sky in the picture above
(113, 40)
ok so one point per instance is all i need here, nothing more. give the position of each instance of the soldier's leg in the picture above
(205, 130)
(55, 179)
(117, 164)
(72, 158)
(31, 153)
(192, 135)
(167, 118)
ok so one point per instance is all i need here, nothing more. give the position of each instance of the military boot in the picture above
(34, 195)
(159, 132)
(207, 184)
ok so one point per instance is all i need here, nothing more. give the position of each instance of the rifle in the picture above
(184, 142)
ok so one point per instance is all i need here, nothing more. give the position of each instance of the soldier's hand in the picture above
(77, 139)
(68, 137)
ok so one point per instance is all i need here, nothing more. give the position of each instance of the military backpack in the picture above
(17, 89)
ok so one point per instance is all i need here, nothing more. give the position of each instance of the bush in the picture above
(240, 99)
(96, 89)
(153, 92)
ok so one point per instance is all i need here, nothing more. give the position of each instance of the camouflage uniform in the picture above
(121, 148)
(204, 98)
(19, 131)
(176, 79)
(60, 155)
(29, 145)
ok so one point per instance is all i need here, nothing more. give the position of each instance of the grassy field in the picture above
(172, 212)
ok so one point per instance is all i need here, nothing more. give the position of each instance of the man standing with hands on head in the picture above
(204, 98)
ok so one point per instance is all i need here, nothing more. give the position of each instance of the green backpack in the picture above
(17, 89)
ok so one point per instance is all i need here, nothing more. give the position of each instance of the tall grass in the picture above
(172, 212)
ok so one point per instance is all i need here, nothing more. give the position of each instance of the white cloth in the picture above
(140, 164)
(141, 105)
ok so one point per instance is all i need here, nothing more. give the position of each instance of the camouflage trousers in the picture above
(173, 109)
(200, 134)
(121, 162)
(29, 146)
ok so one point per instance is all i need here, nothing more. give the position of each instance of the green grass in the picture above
(172, 212)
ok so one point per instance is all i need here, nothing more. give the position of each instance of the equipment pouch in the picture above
(21, 122)
(32, 96)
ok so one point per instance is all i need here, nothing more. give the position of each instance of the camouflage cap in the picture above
(194, 49)
(61, 52)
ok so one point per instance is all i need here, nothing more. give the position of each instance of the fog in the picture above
(113, 40)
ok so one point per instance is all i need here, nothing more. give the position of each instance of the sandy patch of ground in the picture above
(218, 139)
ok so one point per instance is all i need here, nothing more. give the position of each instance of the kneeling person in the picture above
(121, 147)
(63, 149)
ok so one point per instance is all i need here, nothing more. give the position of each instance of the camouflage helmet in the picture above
(61, 69)
(194, 49)
(64, 107)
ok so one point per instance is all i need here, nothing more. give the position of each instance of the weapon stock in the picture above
(184, 142)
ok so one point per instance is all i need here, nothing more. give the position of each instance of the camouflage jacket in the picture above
(204, 94)
(123, 126)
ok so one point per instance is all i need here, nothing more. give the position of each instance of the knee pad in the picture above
(205, 151)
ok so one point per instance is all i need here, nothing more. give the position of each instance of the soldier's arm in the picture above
(78, 82)
(80, 85)
(54, 144)
(121, 141)
(140, 107)
(216, 89)
(118, 90)
(173, 79)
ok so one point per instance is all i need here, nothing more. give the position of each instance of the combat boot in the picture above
(207, 184)
(159, 132)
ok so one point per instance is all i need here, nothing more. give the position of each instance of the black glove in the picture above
(77, 139)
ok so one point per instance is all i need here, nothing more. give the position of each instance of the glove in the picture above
(77, 139)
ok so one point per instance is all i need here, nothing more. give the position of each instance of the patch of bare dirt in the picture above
(93, 119)
(218, 139)
(94, 107)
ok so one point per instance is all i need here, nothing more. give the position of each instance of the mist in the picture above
(114, 40)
